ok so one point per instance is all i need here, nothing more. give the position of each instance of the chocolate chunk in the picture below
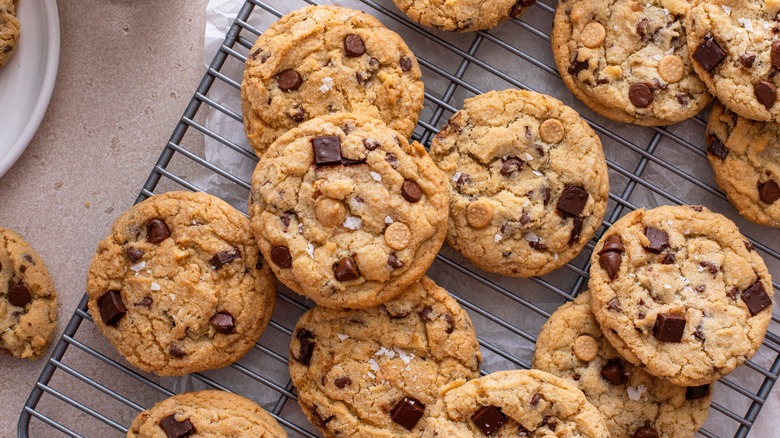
(769, 191)
(756, 298)
(341, 382)
(489, 419)
(345, 270)
(669, 327)
(145, 302)
(640, 95)
(549, 422)
(286, 218)
(425, 313)
(510, 165)
(614, 372)
(732, 293)
(354, 45)
(289, 80)
(157, 230)
(327, 150)
(709, 54)
(573, 200)
(408, 412)
(614, 304)
(641, 27)
(392, 159)
(176, 429)
(696, 392)
(766, 93)
(176, 351)
(613, 242)
(669, 258)
(576, 230)
(577, 66)
(712, 267)
(223, 322)
(775, 54)
(370, 144)
(281, 256)
(683, 98)
(406, 63)
(112, 309)
(19, 295)
(539, 246)
(659, 240)
(610, 262)
(134, 254)
(351, 162)
(546, 195)
(645, 432)
(519, 7)
(749, 246)
(393, 262)
(535, 399)
(411, 191)
(716, 147)
(224, 257)
(307, 346)
(748, 58)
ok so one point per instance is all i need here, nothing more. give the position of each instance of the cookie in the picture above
(376, 371)
(179, 285)
(462, 16)
(527, 179)
(514, 403)
(628, 60)
(328, 59)
(347, 212)
(28, 301)
(745, 156)
(571, 346)
(206, 414)
(735, 48)
(683, 291)
(9, 30)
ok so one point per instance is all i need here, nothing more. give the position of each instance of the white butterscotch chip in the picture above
(585, 348)
(329, 212)
(398, 236)
(593, 35)
(671, 68)
(551, 131)
(479, 214)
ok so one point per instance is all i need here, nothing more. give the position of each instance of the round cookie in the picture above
(514, 403)
(735, 48)
(9, 30)
(462, 16)
(628, 60)
(179, 285)
(377, 371)
(683, 291)
(28, 301)
(571, 346)
(205, 414)
(528, 182)
(320, 60)
(347, 212)
(745, 156)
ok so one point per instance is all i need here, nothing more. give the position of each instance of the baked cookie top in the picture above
(28, 301)
(179, 285)
(745, 156)
(205, 414)
(320, 60)
(628, 60)
(684, 292)
(514, 403)
(9, 30)
(377, 371)
(571, 346)
(347, 212)
(527, 179)
(462, 16)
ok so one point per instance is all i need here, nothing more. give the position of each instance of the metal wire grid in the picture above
(647, 166)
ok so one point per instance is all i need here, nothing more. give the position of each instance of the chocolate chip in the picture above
(576, 230)
(354, 45)
(281, 256)
(425, 313)
(407, 412)
(223, 322)
(370, 144)
(327, 150)
(510, 165)
(769, 192)
(112, 309)
(697, 392)
(775, 54)
(341, 382)
(145, 302)
(345, 270)
(411, 191)
(289, 80)
(450, 323)
(641, 27)
(549, 422)
(573, 200)
(709, 54)
(577, 66)
(535, 399)
(613, 242)
(157, 230)
(712, 267)
(614, 372)
(669, 258)
(610, 262)
(307, 346)
(645, 432)
(19, 295)
(669, 327)
(176, 351)
(489, 419)
(176, 429)
(298, 114)
(748, 58)
(749, 246)
(640, 95)
(659, 240)
(683, 98)
(539, 246)
(224, 257)
(392, 159)
(393, 262)
(756, 298)
(698, 333)
(716, 147)
(614, 304)
(406, 63)
(462, 180)
(134, 254)
(700, 288)
(732, 293)
(766, 93)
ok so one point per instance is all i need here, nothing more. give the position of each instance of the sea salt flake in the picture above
(405, 357)
(498, 238)
(727, 9)
(154, 286)
(666, 12)
(667, 286)
(342, 337)
(138, 267)
(373, 365)
(327, 84)
(352, 222)
(377, 177)
(172, 297)
(537, 173)
(636, 393)
(528, 157)
(615, 27)
(456, 177)
(372, 375)
(531, 237)
(670, 51)
(746, 23)
(555, 256)
(310, 249)
(388, 220)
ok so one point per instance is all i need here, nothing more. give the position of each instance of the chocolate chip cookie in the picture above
(571, 346)
(735, 48)
(527, 179)
(683, 292)
(514, 403)
(328, 59)
(347, 212)
(206, 414)
(9, 30)
(628, 60)
(745, 156)
(28, 301)
(376, 371)
(462, 16)
(179, 285)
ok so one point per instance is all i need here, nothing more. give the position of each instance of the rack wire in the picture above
(648, 167)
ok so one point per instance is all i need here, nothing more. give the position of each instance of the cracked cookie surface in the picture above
(462, 16)
(347, 212)
(527, 179)
(9, 30)
(179, 285)
(28, 301)
(628, 60)
(327, 59)
(572, 346)
(679, 290)
(377, 371)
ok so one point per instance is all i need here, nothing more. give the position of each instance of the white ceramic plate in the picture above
(27, 80)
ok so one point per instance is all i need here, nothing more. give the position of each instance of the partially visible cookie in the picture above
(527, 179)
(514, 403)
(320, 60)
(377, 371)
(347, 212)
(572, 346)
(9, 30)
(205, 414)
(628, 60)
(28, 301)
(684, 293)
(179, 285)
(462, 16)
(745, 156)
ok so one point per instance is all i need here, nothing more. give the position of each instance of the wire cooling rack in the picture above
(648, 167)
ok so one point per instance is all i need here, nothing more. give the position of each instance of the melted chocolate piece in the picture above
(393, 262)
(709, 54)
(489, 419)
(712, 267)
(345, 270)
(613, 242)
(669, 258)
(176, 429)
(659, 240)
(145, 302)
(669, 327)
(766, 93)
(224, 257)
(696, 392)
(307, 346)
(327, 150)
(748, 58)
(519, 7)
(407, 412)
(756, 298)
(157, 230)
(411, 191)
(342, 382)
(112, 309)
(510, 165)
(354, 45)
(223, 322)
(769, 192)
(406, 63)
(572, 200)
(134, 254)
(289, 80)
(614, 304)
(716, 147)
(19, 295)
(576, 230)
(645, 432)
(775, 54)
(640, 95)
(370, 144)
(281, 256)
(614, 372)
(176, 351)
(610, 262)
(577, 66)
